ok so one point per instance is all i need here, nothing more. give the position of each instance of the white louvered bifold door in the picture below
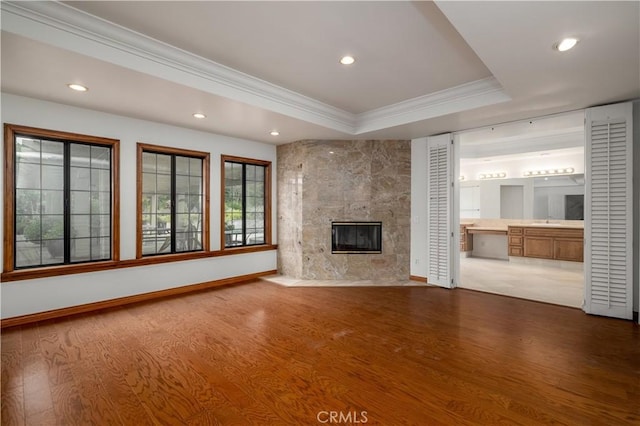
(608, 211)
(439, 199)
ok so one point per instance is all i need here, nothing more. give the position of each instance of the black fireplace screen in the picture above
(356, 237)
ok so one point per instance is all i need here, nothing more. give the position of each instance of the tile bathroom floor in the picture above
(543, 283)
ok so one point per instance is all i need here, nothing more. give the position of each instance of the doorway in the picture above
(516, 176)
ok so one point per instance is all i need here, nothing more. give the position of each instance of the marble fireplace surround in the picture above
(320, 182)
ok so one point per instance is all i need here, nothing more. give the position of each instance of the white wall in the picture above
(419, 207)
(490, 194)
(31, 296)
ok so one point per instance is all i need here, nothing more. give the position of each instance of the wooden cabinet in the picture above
(466, 240)
(569, 249)
(515, 241)
(544, 242)
(541, 247)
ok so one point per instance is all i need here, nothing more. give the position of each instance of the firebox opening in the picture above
(356, 237)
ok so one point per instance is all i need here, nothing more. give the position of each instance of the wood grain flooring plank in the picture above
(269, 355)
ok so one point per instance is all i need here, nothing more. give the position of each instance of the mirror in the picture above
(544, 198)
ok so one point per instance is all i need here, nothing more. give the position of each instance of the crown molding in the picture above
(475, 94)
(63, 26)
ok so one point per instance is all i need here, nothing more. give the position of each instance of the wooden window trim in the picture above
(10, 131)
(55, 271)
(158, 149)
(267, 208)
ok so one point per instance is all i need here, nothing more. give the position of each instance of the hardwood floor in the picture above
(264, 354)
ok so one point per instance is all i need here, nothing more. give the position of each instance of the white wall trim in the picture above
(487, 91)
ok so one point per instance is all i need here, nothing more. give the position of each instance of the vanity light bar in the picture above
(500, 175)
(565, 171)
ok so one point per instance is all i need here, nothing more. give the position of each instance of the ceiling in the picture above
(421, 68)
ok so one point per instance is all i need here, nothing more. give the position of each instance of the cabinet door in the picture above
(541, 247)
(568, 249)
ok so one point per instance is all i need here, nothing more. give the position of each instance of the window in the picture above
(61, 189)
(247, 202)
(173, 214)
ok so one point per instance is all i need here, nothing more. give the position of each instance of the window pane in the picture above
(80, 179)
(80, 202)
(28, 176)
(53, 202)
(100, 157)
(27, 201)
(164, 204)
(80, 226)
(52, 177)
(149, 183)
(27, 150)
(28, 254)
(100, 249)
(52, 153)
(100, 180)
(163, 184)
(28, 226)
(182, 204)
(182, 166)
(147, 204)
(182, 222)
(195, 167)
(80, 249)
(251, 172)
(100, 225)
(163, 164)
(80, 155)
(148, 162)
(52, 252)
(101, 202)
(52, 227)
(182, 184)
(195, 185)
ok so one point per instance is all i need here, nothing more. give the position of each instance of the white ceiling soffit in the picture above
(515, 40)
(555, 132)
(60, 25)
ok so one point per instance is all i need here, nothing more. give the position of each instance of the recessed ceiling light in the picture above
(347, 60)
(199, 115)
(566, 44)
(274, 133)
(77, 87)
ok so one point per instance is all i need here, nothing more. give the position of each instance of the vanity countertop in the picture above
(552, 225)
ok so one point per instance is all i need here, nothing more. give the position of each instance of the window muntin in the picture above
(246, 201)
(61, 189)
(173, 210)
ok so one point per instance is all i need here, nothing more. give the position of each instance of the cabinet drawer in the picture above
(515, 240)
(515, 251)
(515, 231)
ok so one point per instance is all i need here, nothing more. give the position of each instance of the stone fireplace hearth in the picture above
(321, 182)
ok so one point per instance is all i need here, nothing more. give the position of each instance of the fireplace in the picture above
(356, 237)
